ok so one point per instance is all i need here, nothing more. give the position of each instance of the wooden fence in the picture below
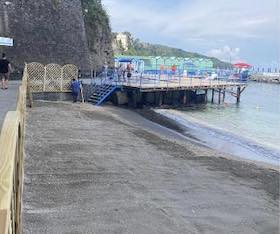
(11, 164)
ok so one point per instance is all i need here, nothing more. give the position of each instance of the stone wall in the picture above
(46, 31)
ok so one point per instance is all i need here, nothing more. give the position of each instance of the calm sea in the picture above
(250, 130)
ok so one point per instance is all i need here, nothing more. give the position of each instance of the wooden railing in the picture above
(11, 164)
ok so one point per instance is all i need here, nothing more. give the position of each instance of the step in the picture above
(101, 93)
(92, 100)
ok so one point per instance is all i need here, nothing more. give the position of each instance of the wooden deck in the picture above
(150, 84)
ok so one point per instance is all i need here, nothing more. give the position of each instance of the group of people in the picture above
(125, 71)
(5, 70)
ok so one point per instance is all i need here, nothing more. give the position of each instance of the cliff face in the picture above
(50, 31)
(99, 35)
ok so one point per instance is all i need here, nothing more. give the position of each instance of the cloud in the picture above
(200, 18)
(199, 25)
(226, 54)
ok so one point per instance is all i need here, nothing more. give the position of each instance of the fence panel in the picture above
(69, 72)
(36, 72)
(51, 78)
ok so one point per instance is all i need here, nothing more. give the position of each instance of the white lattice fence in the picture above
(69, 72)
(36, 73)
(51, 78)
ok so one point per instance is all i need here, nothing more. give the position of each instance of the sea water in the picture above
(250, 129)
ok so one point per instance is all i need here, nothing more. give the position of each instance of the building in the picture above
(123, 39)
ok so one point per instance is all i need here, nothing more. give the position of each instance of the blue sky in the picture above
(243, 30)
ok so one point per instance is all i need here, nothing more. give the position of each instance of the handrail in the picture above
(11, 167)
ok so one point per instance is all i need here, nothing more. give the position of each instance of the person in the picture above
(105, 69)
(129, 70)
(161, 70)
(5, 69)
(75, 87)
(173, 68)
(119, 72)
(123, 73)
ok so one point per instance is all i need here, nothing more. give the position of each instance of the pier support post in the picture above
(144, 99)
(224, 94)
(206, 97)
(219, 96)
(173, 101)
(238, 94)
(160, 99)
(185, 98)
(134, 99)
(213, 94)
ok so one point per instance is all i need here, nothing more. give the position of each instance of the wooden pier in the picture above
(159, 90)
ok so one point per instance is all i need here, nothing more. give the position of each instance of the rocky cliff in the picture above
(54, 31)
(98, 31)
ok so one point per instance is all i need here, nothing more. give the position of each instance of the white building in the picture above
(123, 38)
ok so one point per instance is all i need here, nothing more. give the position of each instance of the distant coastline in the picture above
(266, 78)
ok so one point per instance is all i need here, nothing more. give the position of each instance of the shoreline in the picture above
(269, 79)
(169, 123)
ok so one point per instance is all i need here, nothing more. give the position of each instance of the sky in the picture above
(231, 30)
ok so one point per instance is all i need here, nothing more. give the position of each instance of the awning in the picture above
(125, 60)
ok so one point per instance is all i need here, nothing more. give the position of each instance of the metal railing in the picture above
(166, 81)
(11, 167)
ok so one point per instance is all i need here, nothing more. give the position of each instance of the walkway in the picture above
(98, 170)
(8, 99)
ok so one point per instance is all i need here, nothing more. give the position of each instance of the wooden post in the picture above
(213, 95)
(29, 93)
(206, 97)
(238, 94)
(219, 96)
(4, 220)
(44, 78)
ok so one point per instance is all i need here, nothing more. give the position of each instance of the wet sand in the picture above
(109, 170)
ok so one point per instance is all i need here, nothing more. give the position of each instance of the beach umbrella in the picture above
(242, 65)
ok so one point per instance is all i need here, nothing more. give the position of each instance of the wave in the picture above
(222, 139)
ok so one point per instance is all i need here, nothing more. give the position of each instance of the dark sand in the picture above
(108, 170)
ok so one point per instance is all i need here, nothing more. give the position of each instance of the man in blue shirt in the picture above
(75, 87)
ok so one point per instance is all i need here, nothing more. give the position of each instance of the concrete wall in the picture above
(52, 96)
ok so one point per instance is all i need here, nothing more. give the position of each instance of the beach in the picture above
(111, 170)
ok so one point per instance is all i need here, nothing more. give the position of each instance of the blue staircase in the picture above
(101, 90)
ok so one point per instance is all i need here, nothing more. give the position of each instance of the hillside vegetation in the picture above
(136, 47)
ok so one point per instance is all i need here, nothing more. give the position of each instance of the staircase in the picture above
(101, 90)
